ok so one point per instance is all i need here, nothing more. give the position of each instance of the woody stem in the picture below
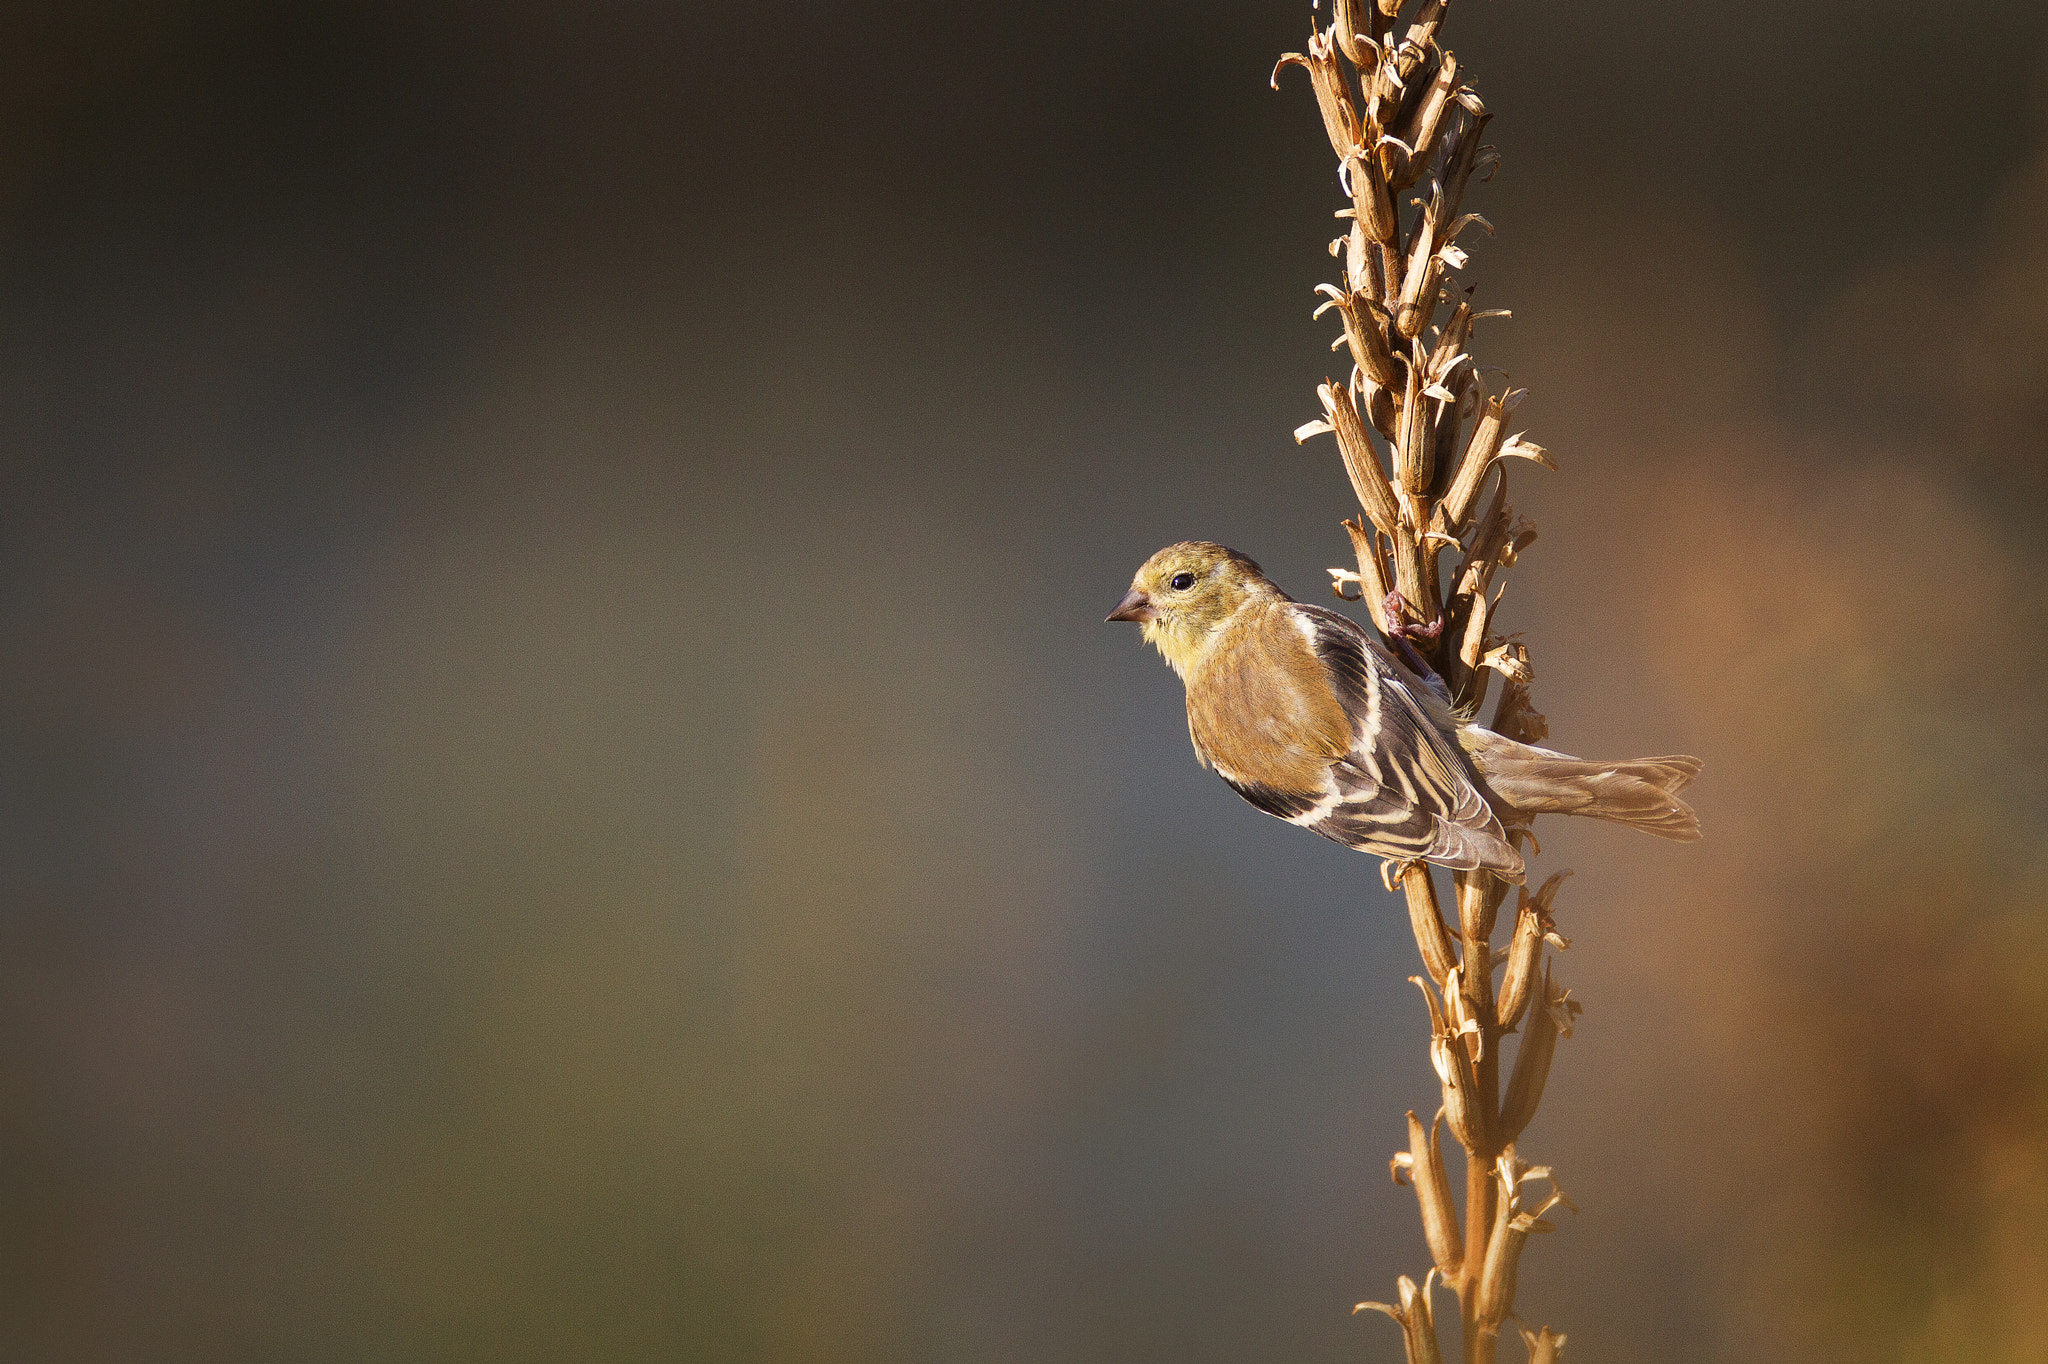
(1479, 897)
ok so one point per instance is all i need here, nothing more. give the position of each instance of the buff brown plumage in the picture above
(1309, 718)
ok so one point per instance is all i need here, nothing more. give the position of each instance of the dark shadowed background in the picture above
(565, 794)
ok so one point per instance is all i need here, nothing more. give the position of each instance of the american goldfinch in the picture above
(1309, 718)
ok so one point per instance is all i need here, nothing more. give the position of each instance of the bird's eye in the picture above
(1183, 581)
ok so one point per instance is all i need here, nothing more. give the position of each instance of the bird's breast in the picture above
(1261, 708)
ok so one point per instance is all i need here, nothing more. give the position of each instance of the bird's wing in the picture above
(1403, 788)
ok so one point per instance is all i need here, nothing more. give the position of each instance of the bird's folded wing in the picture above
(1403, 789)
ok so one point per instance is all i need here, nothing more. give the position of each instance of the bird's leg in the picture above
(1392, 869)
(1399, 630)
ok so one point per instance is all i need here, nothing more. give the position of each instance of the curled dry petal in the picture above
(1518, 448)
(1451, 234)
(1565, 1011)
(1511, 660)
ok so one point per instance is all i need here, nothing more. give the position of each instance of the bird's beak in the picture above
(1135, 606)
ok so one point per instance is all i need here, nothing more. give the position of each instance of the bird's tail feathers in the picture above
(1641, 793)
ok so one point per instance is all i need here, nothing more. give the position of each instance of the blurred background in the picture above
(566, 795)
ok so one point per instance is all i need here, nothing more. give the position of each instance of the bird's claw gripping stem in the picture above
(1398, 629)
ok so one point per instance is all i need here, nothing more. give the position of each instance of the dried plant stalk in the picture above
(1400, 117)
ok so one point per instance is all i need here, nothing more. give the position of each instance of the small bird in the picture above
(1309, 718)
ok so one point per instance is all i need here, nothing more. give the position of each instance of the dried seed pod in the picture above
(1503, 1261)
(1365, 333)
(1433, 1195)
(1372, 569)
(1333, 93)
(1423, 276)
(1490, 545)
(1417, 1322)
(1415, 450)
(1480, 451)
(1366, 181)
(1376, 402)
(1512, 1227)
(1466, 621)
(1420, 130)
(1421, 37)
(1361, 265)
(1432, 939)
(1460, 156)
(1448, 354)
(1414, 571)
(1478, 612)
(1465, 1008)
(1453, 1065)
(1353, 34)
(1361, 462)
(1532, 923)
(1457, 393)
(1544, 1346)
(1532, 1058)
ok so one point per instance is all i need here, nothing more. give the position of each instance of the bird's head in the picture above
(1185, 593)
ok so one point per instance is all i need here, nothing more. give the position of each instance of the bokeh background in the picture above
(565, 795)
